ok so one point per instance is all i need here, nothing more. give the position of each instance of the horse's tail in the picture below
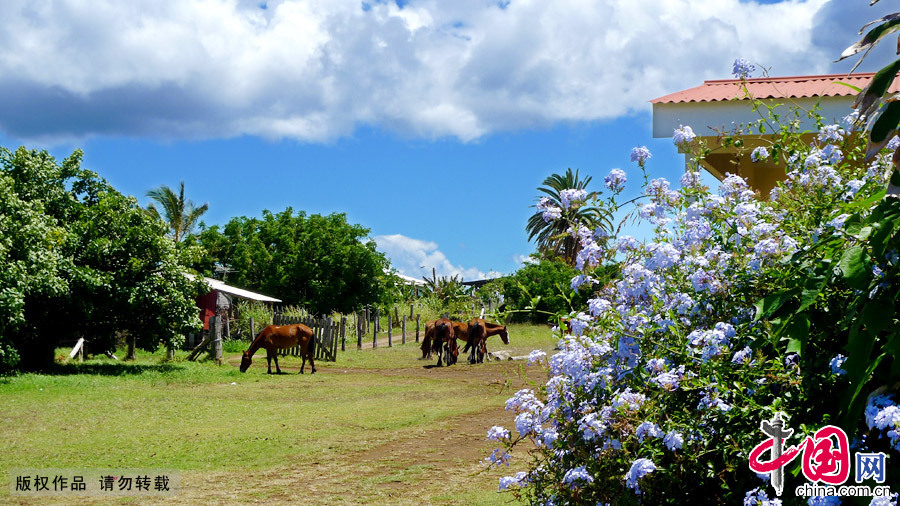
(311, 347)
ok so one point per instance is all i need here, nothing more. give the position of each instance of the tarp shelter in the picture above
(723, 103)
(219, 299)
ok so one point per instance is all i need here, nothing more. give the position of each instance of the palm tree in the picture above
(553, 237)
(180, 215)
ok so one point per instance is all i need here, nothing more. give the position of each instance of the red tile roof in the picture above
(773, 87)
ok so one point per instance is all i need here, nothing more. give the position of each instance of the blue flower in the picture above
(639, 468)
(673, 440)
(824, 501)
(577, 474)
(571, 197)
(760, 153)
(513, 481)
(742, 69)
(497, 433)
(831, 133)
(836, 364)
(648, 429)
(616, 179)
(683, 135)
(640, 154)
(742, 356)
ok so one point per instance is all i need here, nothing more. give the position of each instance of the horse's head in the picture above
(245, 362)
(504, 335)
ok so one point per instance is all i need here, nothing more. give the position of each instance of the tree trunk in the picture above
(170, 353)
(130, 355)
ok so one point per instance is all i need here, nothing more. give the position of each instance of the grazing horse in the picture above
(444, 340)
(281, 337)
(460, 330)
(479, 331)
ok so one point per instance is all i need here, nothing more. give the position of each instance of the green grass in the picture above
(203, 418)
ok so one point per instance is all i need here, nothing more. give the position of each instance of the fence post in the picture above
(217, 338)
(410, 311)
(447, 315)
(417, 327)
(343, 333)
(252, 329)
(375, 331)
(360, 323)
(365, 327)
(403, 331)
(377, 320)
(328, 336)
(390, 327)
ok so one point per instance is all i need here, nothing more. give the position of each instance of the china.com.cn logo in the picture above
(825, 458)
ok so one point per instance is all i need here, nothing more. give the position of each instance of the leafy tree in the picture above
(551, 231)
(446, 288)
(178, 214)
(543, 289)
(79, 259)
(320, 262)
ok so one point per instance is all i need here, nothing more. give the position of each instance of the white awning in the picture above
(410, 280)
(217, 285)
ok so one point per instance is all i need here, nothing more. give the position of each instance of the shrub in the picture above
(539, 291)
(736, 309)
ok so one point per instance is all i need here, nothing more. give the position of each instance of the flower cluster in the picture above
(672, 355)
(742, 68)
(684, 135)
(550, 212)
(616, 179)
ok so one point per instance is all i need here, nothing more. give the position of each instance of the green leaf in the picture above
(874, 36)
(855, 267)
(877, 315)
(857, 89)
(811, 291)
(767, 306)
(886, 123)
(796, 331)
(876, 88)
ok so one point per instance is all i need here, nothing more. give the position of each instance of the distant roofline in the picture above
(792, 78)
(811, 86)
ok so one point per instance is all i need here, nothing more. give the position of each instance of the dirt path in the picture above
(424, 465)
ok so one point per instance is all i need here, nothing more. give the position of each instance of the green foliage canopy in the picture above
(79, 259)
(320, 262)
(544, 289)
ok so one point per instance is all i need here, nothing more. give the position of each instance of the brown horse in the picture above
(460, 330)
(479, 331)
(281, 337)
(444, 340)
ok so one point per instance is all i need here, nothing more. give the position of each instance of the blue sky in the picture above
(431, 123)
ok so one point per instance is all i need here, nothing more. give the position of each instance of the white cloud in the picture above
(523, 260)
(314, 70)
(416, 258)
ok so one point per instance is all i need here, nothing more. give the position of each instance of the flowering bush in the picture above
(736, 308)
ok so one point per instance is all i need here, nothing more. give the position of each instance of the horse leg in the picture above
(276, 363)
(312, 364)
(269, 361)
(303, 363)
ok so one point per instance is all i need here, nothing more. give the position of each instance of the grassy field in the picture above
(378, 426)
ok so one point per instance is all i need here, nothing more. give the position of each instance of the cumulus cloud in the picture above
(416, 258)
(315, 70)
(523, 260)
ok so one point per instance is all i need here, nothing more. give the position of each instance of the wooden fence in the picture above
(327, 334)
